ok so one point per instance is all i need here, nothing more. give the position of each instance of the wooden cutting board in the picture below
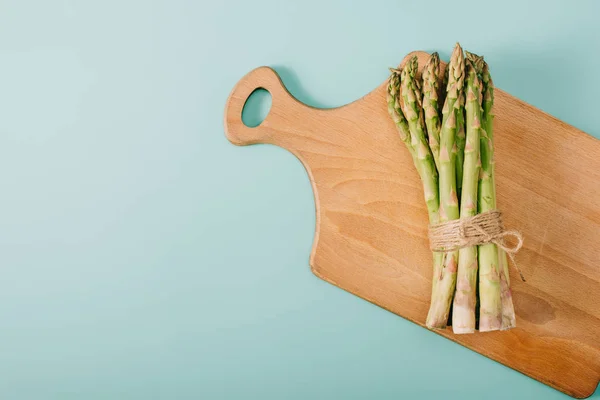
(371, 231)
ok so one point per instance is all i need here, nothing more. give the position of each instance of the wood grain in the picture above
(371, 231)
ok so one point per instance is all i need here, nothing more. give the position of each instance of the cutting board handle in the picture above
(283, 103)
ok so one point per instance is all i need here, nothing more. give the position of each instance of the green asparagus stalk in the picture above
(491, 307)
(431, 75)
(508, 310)
(509, 319)
(443, 292)
(395, 111)
(410, 101)
(460, 145)
(465, 298)
(419, 150)
(444, 85)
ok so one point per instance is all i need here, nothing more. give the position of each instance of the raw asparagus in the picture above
(465, 298)
(431, 75)
(443, 292)
(460, 144)
(508, 310)
(490, 312)
(393, 100)
(419, 150)
(412, 108)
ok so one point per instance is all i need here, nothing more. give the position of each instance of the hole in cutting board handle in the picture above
(256, 108)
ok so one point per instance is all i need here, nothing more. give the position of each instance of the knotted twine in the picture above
(483, 228)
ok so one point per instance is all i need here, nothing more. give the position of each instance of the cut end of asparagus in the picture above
(437, 320)
(489, 323)
(462, 330)
(463, 312)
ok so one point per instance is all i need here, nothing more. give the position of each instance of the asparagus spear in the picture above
(395, 111)
(431, 74)
(444, 85)
(508, 310)
(491, 310)
(419, 151)
(460, 145)
(444, 290)
(463, 312)
(410, 101)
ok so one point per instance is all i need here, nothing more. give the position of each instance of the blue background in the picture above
(142, 256)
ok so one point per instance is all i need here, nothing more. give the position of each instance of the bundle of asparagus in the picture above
(452, 150)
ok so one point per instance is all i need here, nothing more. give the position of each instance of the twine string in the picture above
(483, 228)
